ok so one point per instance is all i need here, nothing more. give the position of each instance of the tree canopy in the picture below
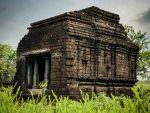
(7, 62)
(140, 39)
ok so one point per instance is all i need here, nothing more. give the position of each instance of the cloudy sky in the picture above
(16, 15)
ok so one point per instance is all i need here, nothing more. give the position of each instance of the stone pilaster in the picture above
(29, 74)
(36, 74)
(47, 70)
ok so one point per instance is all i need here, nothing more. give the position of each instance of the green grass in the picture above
(97, 104)
(145, 84)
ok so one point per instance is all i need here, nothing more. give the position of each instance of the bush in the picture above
(97, 104)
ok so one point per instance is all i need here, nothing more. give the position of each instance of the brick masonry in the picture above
(89, 50)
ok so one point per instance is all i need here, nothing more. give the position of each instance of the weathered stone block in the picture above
(88, 47)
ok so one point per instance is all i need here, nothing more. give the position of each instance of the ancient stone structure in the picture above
(86, 49)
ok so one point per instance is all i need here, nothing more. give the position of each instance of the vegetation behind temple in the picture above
(140, 39)
(97, 104)
(7, 62)
(8, 56)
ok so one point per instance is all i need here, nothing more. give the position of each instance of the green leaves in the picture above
(144, 64)
(140, 39)
(137, 38)
(7, 62)
(100, 103)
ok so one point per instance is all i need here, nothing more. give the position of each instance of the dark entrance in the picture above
(38, 69)
(41, 69)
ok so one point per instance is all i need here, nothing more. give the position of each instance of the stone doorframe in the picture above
(32, 69)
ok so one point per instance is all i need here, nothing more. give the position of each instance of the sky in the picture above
(17, 15)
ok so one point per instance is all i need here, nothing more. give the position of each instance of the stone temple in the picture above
(86, 49)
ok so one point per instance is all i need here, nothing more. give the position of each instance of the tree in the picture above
(143, 63)
(7, 62)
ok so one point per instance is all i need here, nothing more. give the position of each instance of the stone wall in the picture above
(89, 50)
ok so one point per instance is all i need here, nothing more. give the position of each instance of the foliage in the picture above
(144, 64)
(97, 104)
(7, 62)
(140, 39)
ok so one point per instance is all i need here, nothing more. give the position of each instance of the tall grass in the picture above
(101, 103)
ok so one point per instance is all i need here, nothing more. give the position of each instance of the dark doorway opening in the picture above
(38, 61)
(41, 70)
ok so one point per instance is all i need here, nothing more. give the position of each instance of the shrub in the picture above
(101, 103)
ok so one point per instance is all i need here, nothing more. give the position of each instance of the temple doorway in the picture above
(41, 70)
(38, 70)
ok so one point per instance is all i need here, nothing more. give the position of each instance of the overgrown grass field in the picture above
(140, 103)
